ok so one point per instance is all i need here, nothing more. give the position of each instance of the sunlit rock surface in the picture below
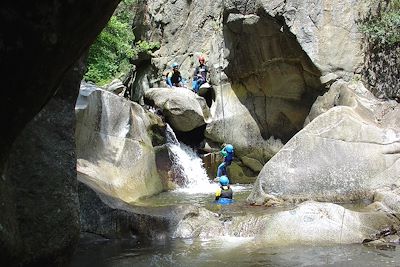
(268, 61)
(232, 122)
(273, 55)
(114, 146)
(345, 153)
(183, 109)
(308, 223)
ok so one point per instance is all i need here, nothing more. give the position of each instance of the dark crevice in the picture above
(193, 138)
(209, 96)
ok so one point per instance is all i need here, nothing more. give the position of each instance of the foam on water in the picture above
(188, 165)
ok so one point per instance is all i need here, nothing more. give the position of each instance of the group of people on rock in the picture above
(174, 77)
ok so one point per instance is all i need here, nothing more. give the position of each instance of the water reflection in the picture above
(229, 251)
(226, 250)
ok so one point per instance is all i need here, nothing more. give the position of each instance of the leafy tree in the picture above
(110, 53)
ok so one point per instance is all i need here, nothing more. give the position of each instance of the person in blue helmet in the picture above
(227, 152)
(224, 194)
(174, 77)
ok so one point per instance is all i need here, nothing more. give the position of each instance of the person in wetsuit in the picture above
(227, 153)
(174, 77)
(199, 75)
(224, 194)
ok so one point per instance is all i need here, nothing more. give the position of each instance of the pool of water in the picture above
(206, 199)
(229, 251)
(203, 198)
(226, 250)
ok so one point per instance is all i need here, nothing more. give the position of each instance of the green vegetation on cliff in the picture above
(384, 28)
(110, 54)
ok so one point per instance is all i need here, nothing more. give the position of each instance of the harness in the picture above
(175, 77)
(224, 191)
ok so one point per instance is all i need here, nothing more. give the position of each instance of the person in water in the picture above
(227, 153)
(224, 194)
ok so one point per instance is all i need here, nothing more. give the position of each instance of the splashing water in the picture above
(189, 166)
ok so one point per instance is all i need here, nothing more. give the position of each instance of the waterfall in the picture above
(187, 166)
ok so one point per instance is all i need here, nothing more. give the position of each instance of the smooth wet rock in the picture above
(114, 146)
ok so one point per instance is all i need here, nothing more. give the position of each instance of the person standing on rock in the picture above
(227, 152)
(174, 77)
(199, 75)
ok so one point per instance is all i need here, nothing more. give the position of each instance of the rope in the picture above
(221, 61)
(222, 102)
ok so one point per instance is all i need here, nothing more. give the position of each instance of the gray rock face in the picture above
(270, 73)
(381, 71)
(269, 59)
(345, 153)
(114, 146)
(266, 59)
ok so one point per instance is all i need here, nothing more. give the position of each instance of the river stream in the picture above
(224, 250)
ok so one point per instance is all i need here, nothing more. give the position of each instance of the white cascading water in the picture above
(189, 166)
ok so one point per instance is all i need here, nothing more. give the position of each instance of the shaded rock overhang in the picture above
(39, 42)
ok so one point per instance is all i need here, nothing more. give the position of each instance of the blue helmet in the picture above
(223, 180)
(175, 65)
(229, 148)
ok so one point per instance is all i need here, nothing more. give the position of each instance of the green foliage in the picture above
(384, 28)
(144, 46)
(110, 54)
(112, 48)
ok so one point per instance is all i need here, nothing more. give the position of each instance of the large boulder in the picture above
(183, 109)
(114, 146)
(345, 153)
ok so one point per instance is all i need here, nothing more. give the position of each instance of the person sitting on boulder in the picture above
(224, 194)
(174, 77)
(199, 75)
(227, 152)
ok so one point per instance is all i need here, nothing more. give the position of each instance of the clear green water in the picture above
(226, 250)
